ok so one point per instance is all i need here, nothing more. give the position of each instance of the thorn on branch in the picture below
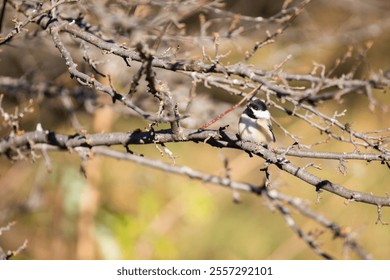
(342, 168)
(83, 170)
(115, 95)
(267, 174)
(165, 150)
(379, 218)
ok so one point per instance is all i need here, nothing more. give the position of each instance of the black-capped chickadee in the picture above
(255, 123)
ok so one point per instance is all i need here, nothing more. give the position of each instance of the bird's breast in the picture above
(254, 130)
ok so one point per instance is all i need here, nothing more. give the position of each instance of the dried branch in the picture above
(276, 197)
(214, 138)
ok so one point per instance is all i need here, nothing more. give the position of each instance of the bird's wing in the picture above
(271, 130)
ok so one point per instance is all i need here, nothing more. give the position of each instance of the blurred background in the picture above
(125, 211)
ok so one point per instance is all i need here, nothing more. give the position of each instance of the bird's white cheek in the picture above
(261, 114)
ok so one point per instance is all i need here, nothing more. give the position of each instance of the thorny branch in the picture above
(275, 196)
(15, 146)
(159, 37)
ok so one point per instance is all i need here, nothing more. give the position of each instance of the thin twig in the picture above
(220, 116)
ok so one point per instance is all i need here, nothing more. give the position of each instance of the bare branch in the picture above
(212, 137)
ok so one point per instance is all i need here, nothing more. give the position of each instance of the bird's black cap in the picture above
(258, 105)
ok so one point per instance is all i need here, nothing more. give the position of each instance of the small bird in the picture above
(255, 123)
